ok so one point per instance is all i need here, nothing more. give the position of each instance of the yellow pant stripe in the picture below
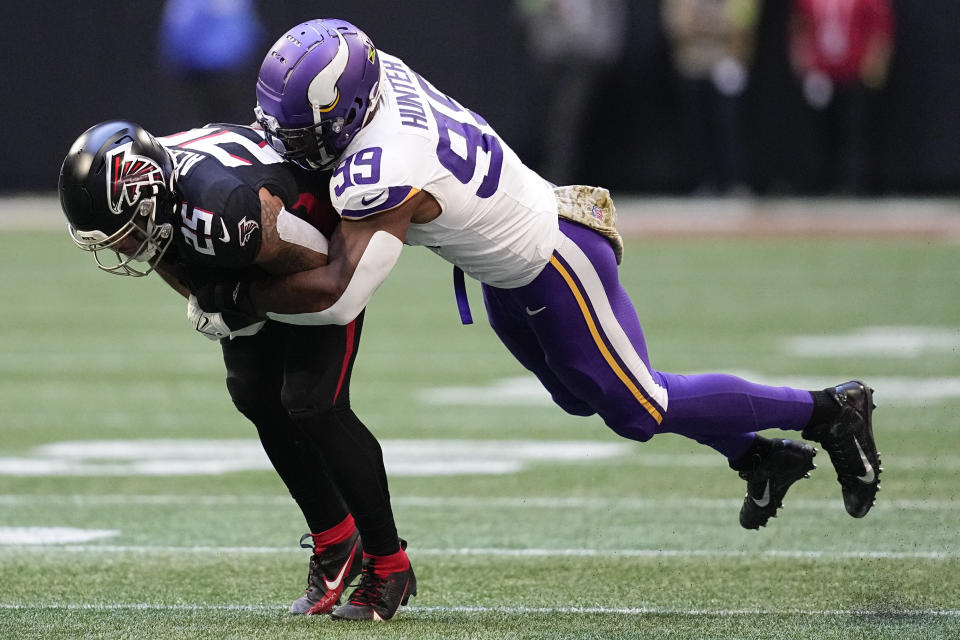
(601, 345)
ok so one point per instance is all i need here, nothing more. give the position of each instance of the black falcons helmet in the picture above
(114, 180)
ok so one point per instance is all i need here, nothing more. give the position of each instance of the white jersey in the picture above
(499, 218)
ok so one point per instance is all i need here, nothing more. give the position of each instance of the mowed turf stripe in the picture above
(467, 502)
(512, 610)
(506, 552)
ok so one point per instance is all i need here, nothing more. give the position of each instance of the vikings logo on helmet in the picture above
(130, 178)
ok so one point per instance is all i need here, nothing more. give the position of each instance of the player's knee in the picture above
(245, 392)
(573, 406)
(310, 396)
(639, 428)
(303, 410)
(303, 403)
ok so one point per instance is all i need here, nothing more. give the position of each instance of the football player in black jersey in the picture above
(197, 203)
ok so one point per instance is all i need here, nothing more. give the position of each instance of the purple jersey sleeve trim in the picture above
(395, 196)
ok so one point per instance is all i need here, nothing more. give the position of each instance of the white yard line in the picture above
(640, 611)
(468, 502)
(52, 535)
(504, 552)
(431, 460)
(513, 610)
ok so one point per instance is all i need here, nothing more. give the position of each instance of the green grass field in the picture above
(133, 503)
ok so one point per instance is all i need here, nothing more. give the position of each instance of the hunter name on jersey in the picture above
(499, 218)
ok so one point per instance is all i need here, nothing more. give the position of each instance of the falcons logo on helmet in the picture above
(130, 178)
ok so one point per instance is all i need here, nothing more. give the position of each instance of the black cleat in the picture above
(378, 597)
(332, 569)
(849, 441)
(769, 473)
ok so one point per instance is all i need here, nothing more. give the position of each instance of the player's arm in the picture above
(362, 254)
(287, 244)
(283, 244)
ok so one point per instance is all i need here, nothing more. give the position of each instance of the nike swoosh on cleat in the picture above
(368, 201)
(332, 585)
(533, 312)
(868, 475)
(765, 499)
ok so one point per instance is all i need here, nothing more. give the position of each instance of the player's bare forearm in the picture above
(279, 255)
(319, 289)
(314, 289)
(303, 292)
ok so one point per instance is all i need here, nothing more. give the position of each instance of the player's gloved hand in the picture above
(218, 325)
(226, 296)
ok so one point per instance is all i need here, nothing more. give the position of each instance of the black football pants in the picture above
(293, 383)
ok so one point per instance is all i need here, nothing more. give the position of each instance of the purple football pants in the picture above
(576, 329)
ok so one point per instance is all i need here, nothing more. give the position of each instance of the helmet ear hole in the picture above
(351, 115)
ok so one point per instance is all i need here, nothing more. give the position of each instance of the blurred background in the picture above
(704, 97)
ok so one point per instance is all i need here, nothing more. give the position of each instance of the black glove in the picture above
(229, 297)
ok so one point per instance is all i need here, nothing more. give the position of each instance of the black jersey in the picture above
(220, 169)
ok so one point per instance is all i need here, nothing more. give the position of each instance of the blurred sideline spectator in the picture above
(840, 51)
(573, 44)
(712, 45)
(207, 48)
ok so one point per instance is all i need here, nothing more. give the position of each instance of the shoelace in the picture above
(841, 455)
(308, 545)
(368, 592)
(314, 572)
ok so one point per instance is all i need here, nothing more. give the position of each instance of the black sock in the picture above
(825, 409)
(320, 513)
(354, 461)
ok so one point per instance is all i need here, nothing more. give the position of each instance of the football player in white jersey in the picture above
(413, 166)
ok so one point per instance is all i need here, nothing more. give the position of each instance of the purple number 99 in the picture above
(363, 167)
(464, 168)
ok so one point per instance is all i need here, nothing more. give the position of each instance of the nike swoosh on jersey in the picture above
(368, 201)
(868, 475)
(333, 585)
(226, 234)
(533, 312)
(765, 498)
